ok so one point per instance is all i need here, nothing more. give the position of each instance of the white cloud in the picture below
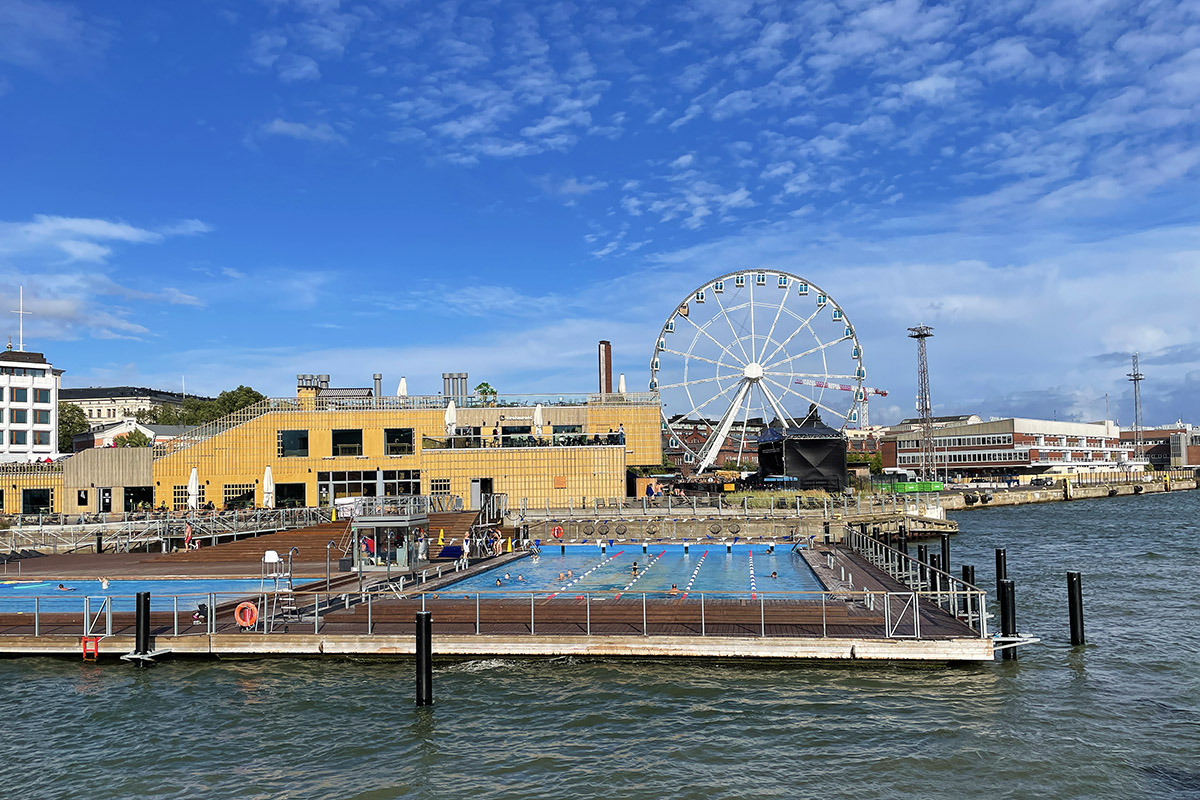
(684, 160)
(321, 132)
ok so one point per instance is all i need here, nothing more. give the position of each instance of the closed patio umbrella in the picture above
(402, 388)
(268, 488)
(193, 489)
(451, 418)
(621, 384)
(537, 420)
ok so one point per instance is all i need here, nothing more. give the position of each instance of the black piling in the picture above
(968, 576)
(923, 565)
(424, 658)
(141, 639)
(99, 541)
(1075, 604)
(1001, 567)
(903, 546)
(946, 552)
(1008, 617)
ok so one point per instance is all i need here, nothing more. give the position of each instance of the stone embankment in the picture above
(957, 501)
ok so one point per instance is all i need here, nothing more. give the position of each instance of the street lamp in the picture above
(328, 548)
(359, 556)
(290, 552)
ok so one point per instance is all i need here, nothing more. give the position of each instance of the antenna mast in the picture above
(1139, 444)
(21, 315)
(924, 404)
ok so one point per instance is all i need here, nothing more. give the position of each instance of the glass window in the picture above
(18, 437)
(41, 417)
(18, 416)
(41, 395)
(239, 495)
(439, 486)
(293, 444)
(398, 441)
(41, 437)
(348, 442)
(20, 395)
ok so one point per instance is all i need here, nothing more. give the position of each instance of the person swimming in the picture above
(498, 582)
(562, 577)
(103, 583)
(674, 589)
(633, 570)
(774, 575)
(63, 588)
(520, 577)
(507, 577)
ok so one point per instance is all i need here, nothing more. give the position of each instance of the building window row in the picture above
(23, 372)
(957, 441)
(346, 442)
(1007, 456)
(439, 486)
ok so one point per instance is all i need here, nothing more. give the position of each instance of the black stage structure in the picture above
(808, 457)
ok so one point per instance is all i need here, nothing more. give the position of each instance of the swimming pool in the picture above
(17, 595)
(702, 568)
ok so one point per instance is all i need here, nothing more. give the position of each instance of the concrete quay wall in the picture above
(957, 501)
(357, 646)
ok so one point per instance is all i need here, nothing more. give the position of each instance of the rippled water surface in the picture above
(1119, 718)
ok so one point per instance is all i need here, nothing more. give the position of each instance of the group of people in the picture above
(507, 577)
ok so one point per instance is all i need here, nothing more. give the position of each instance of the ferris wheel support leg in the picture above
(713, 446)
(783, 416)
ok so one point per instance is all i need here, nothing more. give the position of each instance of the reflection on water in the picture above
(1116, 719)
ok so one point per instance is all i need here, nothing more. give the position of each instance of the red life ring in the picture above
(246, 614)
(558, 531)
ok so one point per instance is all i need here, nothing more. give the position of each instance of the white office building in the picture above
(28, 406)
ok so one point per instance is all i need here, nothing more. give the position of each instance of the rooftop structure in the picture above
(107, 404)
(29, 389)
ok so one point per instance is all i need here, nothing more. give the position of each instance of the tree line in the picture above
(194, 411)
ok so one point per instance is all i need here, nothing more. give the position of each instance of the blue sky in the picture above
(237, 192)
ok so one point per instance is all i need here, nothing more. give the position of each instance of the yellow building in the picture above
(323, 445)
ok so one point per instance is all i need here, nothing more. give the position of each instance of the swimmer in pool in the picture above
(497, 581)
(520, 577)
(570, 574)
(62, 588)
(103, 583)
(674, 589)
(506, 576)
(634, 569)
(562, 577)
(774, 575)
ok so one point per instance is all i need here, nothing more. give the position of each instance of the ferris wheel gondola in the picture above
(751, 349)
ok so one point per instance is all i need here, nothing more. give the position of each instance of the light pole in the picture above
(290, 553)
(387, 557)
(328, 548)
(358, 555)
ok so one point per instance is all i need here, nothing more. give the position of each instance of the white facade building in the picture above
(28, 406)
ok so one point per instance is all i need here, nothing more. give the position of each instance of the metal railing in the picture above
(953, 595)
(129, 531)
(926, 505)
(386, 610)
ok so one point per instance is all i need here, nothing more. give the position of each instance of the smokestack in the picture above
(378, 384)
(605, 353)
(323, 381)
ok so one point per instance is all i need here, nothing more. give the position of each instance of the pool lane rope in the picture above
(695, 572)
(638, 577)
(753, 590)
(597, 566)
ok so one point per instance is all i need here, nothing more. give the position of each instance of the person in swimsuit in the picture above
(63, 588)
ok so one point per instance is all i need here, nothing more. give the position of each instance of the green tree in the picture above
(71, 422)
(486, 392)
(135, 438)
(195, 411)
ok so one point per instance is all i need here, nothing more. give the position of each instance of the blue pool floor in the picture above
(703, 568)
(17, 595)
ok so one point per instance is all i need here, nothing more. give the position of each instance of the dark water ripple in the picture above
(1120, 718)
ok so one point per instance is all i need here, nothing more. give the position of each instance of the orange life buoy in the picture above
(558, 531)
(246, 614)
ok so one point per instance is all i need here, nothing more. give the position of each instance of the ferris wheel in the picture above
(752, 349)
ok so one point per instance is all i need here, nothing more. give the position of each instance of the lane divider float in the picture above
(580, 577)
(649, 567)
(695, 572)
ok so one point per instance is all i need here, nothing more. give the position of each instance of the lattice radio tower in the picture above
(1139, 444)
(924, 404)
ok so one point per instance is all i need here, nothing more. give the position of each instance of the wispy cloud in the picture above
(320, 132)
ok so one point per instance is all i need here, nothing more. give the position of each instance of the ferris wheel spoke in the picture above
(753, 338)
(816, 403)
(745, 419)
(693, 355)
(734, 376)
(816, 349)
(724, 391)
(708, 453)
(806, 323)
(780, 411)
(774, 322)
(737, 337)
(819, 376)
(714, 341)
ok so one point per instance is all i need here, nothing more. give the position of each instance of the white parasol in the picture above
(268, 488)
(193, 489)
(451, 418)
(402, 388)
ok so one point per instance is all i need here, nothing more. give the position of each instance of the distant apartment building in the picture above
(106, 404)
(1156, 443)
(1185, 447)
(740, 446)
(29, 390)
(1015, 446)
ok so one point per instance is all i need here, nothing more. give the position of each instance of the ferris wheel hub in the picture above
(753, 371)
